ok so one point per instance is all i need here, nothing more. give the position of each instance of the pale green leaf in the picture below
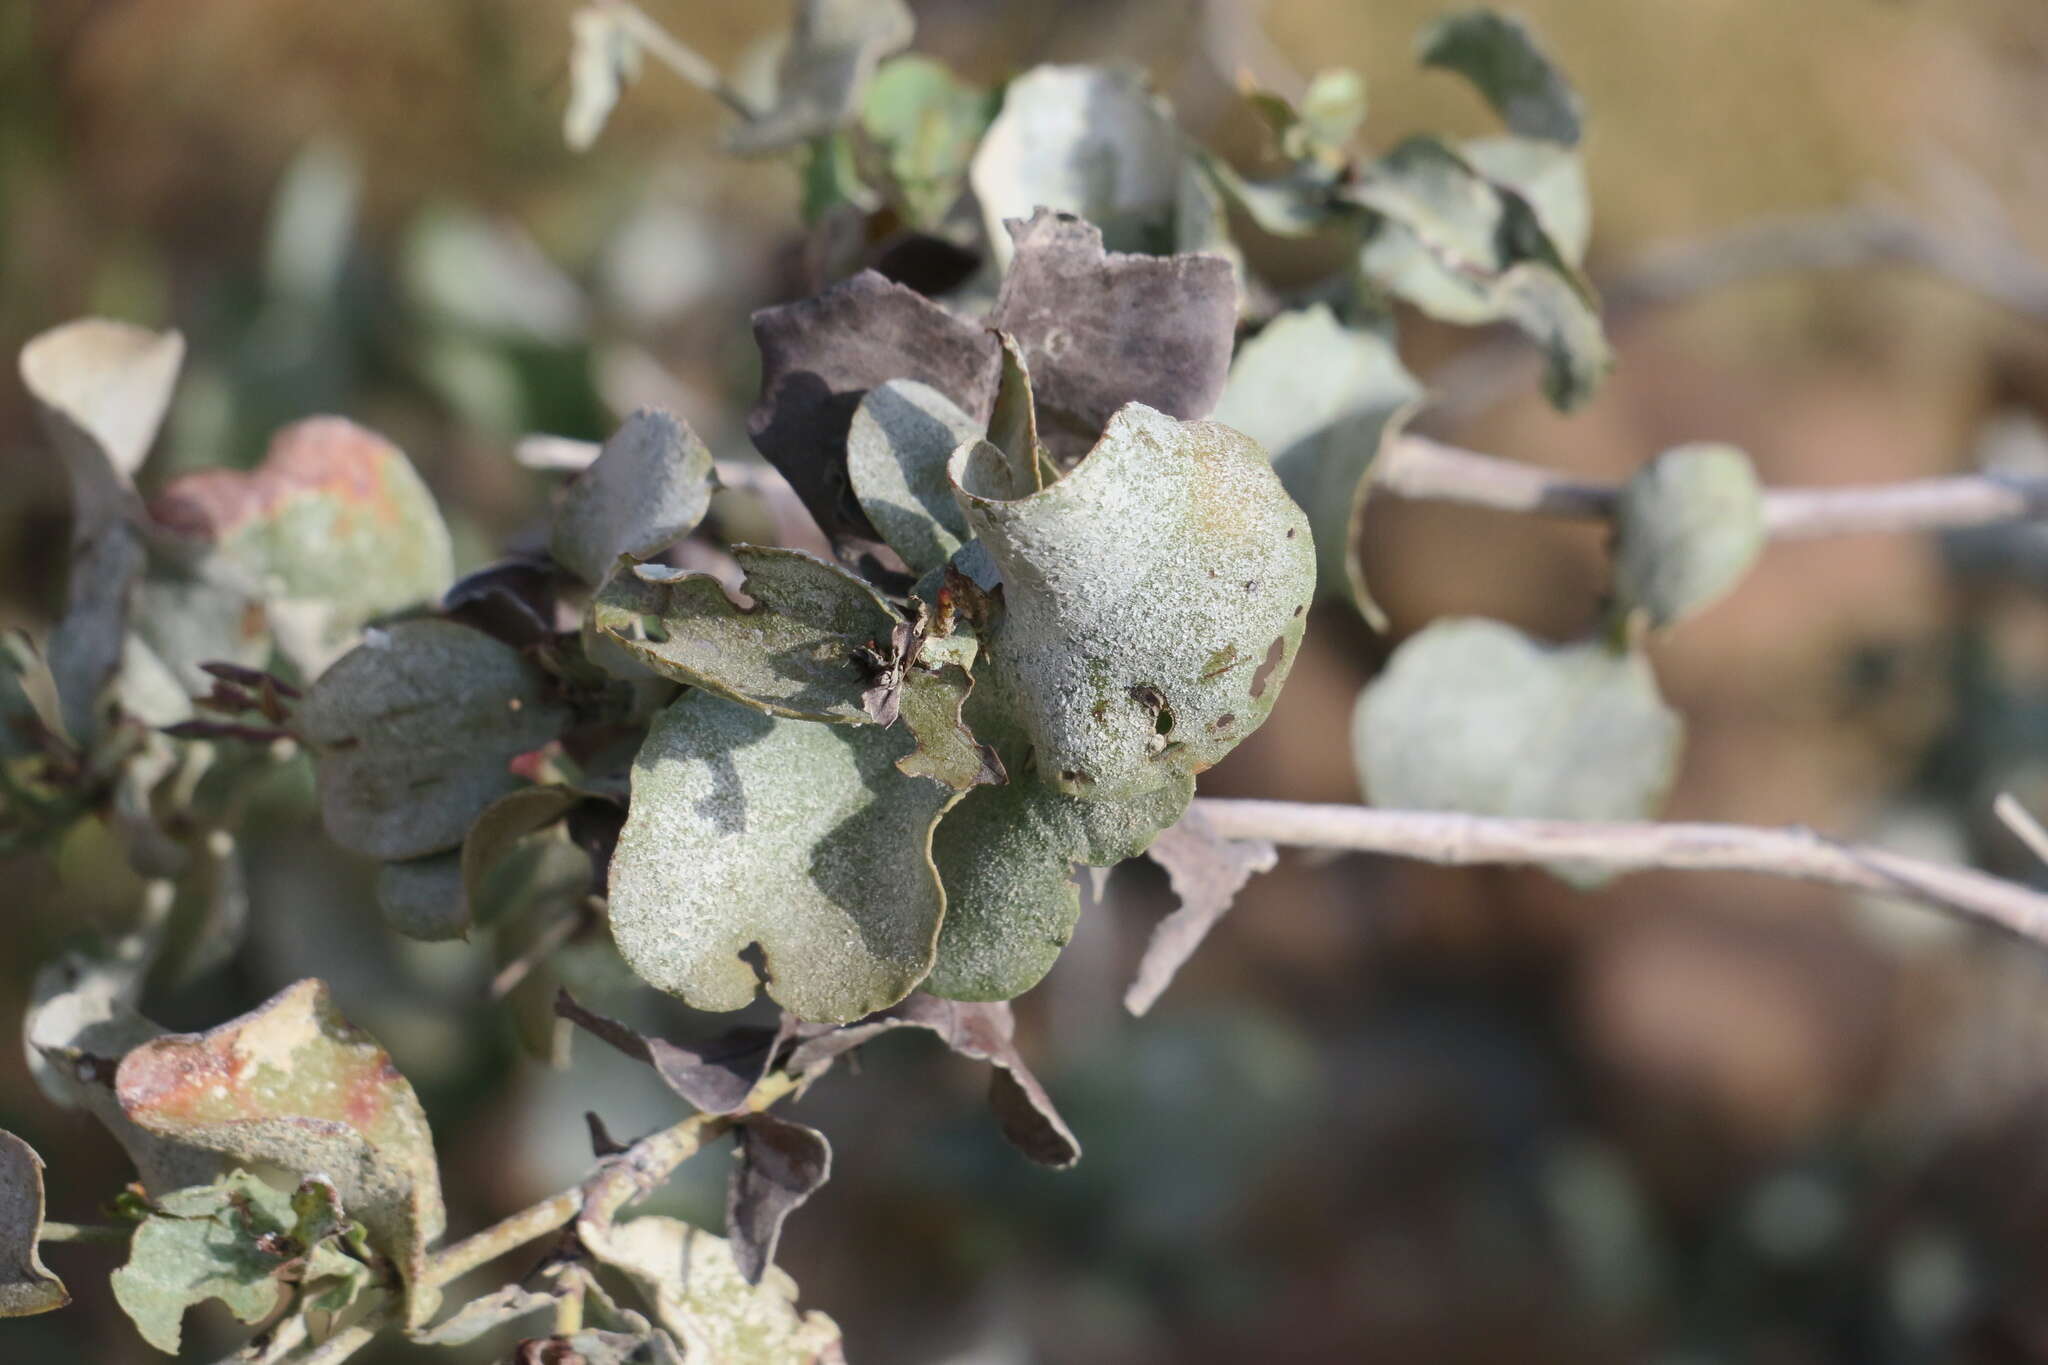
(1152, 600)
(413, 730)
(902, 434)
(295, 1084)
(26, 1285)
(925, 125)
(1500, 56)
(203, 1244)
(646, 490)
(1551, 178)
(1687, 528)
(805, 839)
(603, 60)
(789, 654)
(101, 389)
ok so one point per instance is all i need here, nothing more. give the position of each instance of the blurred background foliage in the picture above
(1389, 1112)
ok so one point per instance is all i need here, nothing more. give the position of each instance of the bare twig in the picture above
(686, 62)
(1418, 467)
(2022, 823)
(1460, 840)
(86, 1232)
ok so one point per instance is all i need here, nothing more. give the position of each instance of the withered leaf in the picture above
(478, 1316)
(947, 750)
(295, 1084)
(648, 489)
(101, 389)
(777, 1166)
(716, 1076)
(1206, 872)
(1101, 329)
(26, 1285)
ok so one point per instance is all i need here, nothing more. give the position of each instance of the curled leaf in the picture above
(1206, 872)
(778, 1165)
(26, 1285)
(1500, 55)
(1472, 715)
(1687, 528)
(947, 750)
(500, 827)
(804, 839)
(218, 1241)
(101, 390)
(897, 446)
(1153, 600)
(791, 653)
(414, 730)
(715, 1076)
(648, 489)
(295, 1084)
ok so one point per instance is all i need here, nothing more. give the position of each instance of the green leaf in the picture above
(1318, 395)
(832, 54)
(294, 1084)
(1551, 178)
(648, 488)
(1006, 857)
(1472, 715)
(1500, 56)
(1687, 528)
(902, 434)
(422, 898)
(690, 1280)
(603, 60)
(26, 1285)
(790, 654)
(413, 730)
(1332, 109)
(1153, 600)
(804, 839)
(334, 527)
(925, 125)
(204, 1243)
(947, 751)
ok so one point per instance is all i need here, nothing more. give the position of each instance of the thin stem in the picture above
(2022, 823)
(87, 1232)
(686, 62)
(1461, 840)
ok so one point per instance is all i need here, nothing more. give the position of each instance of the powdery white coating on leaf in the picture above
(802, 838)
(422, 898)
(896, 450)
(1087, 140)
(1006, 856)
(648, 489)
(26, 1285)
(1472, 715)
(204, 1245)
(789, 654)
(1153, 600)
(695, 1287)
(413, 731)
(295, 1084)
(1687, 528)
(1318, 395)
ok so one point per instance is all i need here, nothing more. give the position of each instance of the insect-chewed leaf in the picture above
(1206, 872)
(208, 1242)
(779, 1164)
(805, 839)
(1098, 329)
(423, 898)
(821, 355)
(901, 436)
(790, 654)
(414, 729)
(1317, 395)
(925, 124)
(1087, 140)
(690, 1279)
(295, 1084)
(1500, 56)
(947, 750)
(101, 390)
(1006, 857)
(1472, 715)
(334, 521)
(1153, 600)
(1687, 527)
(26, 1285)
(604, 59)
(825, 69)
(647, 490)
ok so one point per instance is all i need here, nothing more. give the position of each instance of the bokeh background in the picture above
(1390, 1112)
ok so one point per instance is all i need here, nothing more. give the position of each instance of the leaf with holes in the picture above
(1687, 528)
(210, 1242)
(26, 1285)
(1472, 715)
(1206, 872)
(413, 731)
(1502, 58)
(1153, 600)
(792, 653)
(693, 1284)
(648, 489)
(804, 839)
(295, 1084)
